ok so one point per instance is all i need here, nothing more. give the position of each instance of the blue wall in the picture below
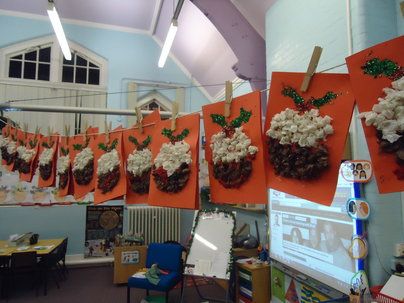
(130, 56)
(293, 28)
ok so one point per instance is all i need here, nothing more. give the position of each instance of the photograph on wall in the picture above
(377, 78)
(103, 223)
(130, 257)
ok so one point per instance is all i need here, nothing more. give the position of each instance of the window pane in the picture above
(31, 56)
(67, 74)
(81, 75)
(43, 72)
(81, 61)
(29, 70)
(15, 69)
(94, 76)
(44, 54)
(93, 65)
(17, 57)
(71, 62)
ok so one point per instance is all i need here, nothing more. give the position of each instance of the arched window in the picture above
(41, 59)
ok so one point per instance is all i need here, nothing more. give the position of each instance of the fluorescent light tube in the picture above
(57, 27)
(205, 242)
(167, 44)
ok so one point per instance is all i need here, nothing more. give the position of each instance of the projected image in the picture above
(314, 239)
(318, 239)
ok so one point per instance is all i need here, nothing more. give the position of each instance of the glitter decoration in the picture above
(377, 68)
(324, 100)
(290, 92)
(141, 146)
(109, 148)
(169, 134)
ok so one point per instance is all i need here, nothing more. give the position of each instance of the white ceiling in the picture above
(198, 46)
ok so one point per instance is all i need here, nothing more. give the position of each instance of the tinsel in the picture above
(107, 148)
(169, 134)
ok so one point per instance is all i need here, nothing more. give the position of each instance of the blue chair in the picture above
(168, 257)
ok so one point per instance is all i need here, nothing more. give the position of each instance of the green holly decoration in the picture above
(78, 147)
(144, 144)
(244, 117)
(64, 151)
(169, 134)
(32, 144)
(21, 142)
(376, 67)
(48, 144)
(107, 148)
(303, 105)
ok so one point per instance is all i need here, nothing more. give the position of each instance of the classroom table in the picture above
(42, 248)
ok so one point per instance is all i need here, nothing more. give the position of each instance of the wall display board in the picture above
(211, 245)
(103, 223)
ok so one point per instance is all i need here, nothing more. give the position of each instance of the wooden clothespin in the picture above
(229, 97)
(311, 69)
(25, 128)
(139, 119)
(37, 130)
(50, 131)
(67, 133)
(85, 127)
(108, 127)
(174, 114)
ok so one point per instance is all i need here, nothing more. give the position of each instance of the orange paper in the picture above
(367, 90)
(253, 190)
(128, 147)
(322, 189)
(80, 190)
(32, 142)
(187, 197)
(115, 138)
(64, 145)
(48, 142)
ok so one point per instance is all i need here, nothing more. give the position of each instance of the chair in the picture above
(49, 265)
(167, 257)
(23, 263)
(61, 258)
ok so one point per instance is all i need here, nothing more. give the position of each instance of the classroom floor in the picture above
(94, 284)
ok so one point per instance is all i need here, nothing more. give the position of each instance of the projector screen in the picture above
(313, 238)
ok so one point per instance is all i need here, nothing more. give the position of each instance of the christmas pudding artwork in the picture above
(297, 137)
(232, 150)
(108, 172)
(25, 155)
(306, 134)
(387, 115)
(83, 163)
(377, 81)
(174, 174)
(62, 167)
(139, 164)
(172, 166)
(8, 145)
(45, 160)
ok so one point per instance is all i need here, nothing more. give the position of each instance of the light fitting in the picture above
(57, 27)
(170, 35)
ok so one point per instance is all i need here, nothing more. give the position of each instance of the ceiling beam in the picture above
(243, 39)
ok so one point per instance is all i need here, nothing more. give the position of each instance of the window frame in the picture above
(56, 64)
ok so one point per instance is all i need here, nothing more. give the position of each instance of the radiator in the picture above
(156, 224)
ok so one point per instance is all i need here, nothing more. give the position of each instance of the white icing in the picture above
(62, 164)
(4, 141)
(82, 159)
(11, 147)
(139, 161)
(237, 147)
(305, 129)
(107, 162)
(25, 154)
(388, 114)
(171, 156)
(46, 156)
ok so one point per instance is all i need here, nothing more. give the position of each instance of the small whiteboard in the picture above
(211, 245)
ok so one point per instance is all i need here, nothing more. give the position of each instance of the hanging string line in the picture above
(160, 89)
